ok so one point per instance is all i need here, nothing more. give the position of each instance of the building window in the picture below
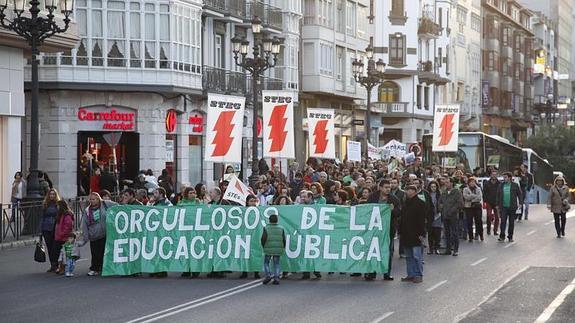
(351, 18)
(339, 63)
(340, 16)
(362, 22)
(397, 49)
(505, 35)
(491, 60)
(326, 62)
(397, 8)
(475, 22)
(494, 96)
(518, 43)
(388, 92)
(506, 67)
(137, 31)
(418, 96)
(426, 98)
(492, 28)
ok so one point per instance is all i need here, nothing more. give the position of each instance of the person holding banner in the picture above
(411, 234)
(383, 196)
(94, 230)
(189, 198)
(251, 200)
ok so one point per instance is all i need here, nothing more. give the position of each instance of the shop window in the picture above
(196, 159)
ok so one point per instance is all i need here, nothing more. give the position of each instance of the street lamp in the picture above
(368, 79)
(35, 29)
(265, 54)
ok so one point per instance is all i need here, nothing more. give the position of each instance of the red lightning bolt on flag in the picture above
(223, 128)
(446, 130)
(320, 133)
(277, 125)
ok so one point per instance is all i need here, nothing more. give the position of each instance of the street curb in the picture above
(17, 244)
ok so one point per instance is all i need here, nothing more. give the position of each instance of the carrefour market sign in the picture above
(103, 118)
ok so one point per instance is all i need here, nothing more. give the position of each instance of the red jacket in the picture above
(95, 184)
(64, 226)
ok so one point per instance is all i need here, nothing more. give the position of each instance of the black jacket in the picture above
(490, 190)
(516, 194)
(412, 223)
(391, 199)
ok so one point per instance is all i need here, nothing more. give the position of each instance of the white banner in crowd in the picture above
(224, 128)
(237, 191)
(446, 128)
(395, 149)
(354, 151)
(278, 127)
(373, 152)
(321, 133)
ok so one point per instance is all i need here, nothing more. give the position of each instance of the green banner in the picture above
(323, 238)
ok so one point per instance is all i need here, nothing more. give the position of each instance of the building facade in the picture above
(466, 56)
(561, 12)
(414, 41)
(120, 101)
(222, 20)
(507, 79)
(333, 34)
(545, 103)
(13, 53)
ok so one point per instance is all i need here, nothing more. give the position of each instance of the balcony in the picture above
(271, 16)
(220, 80)
(219, 8)
(428, 28)
(391, 109)
(266, 83)
(429, 73)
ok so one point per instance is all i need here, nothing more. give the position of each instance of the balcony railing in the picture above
(428, 27)
(390, 109)
(266, 83)
(271, 16)
(223, 81)
(231, 7)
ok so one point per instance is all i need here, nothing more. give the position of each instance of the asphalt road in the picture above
(487, 282)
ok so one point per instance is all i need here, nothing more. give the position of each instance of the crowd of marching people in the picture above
(429, 205)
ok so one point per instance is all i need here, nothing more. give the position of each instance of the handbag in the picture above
(39, 252)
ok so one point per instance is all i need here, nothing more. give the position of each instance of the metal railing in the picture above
(232, 7)
(271, 16)
(223, 81)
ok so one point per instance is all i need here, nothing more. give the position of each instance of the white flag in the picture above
(446, 128)
(224, 128)
(237, 191)
(321, 133)
(278, 125)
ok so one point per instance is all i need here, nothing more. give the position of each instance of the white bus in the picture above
(542, 175)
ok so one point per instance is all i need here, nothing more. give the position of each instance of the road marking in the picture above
(383, 317)
(80, 260)
(486, 298)
(479, 261)
(531, 232)
(225, 293)
(509, 245)
(546, 315)
(549, 222)
(436, 285)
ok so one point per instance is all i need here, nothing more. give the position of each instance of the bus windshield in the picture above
(469, 153)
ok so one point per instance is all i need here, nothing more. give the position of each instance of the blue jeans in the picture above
(15, 206)
(70, 263)
(451, 227)
(276, 260)
(414, 261)
(507, 213)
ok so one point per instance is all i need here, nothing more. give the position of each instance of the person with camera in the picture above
(558, 204)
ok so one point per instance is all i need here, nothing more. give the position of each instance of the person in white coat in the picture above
(472, 203)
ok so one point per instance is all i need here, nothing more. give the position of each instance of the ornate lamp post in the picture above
(264, 56)
(35, 29)
(368, 79)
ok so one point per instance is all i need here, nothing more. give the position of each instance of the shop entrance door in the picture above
(94, 152)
